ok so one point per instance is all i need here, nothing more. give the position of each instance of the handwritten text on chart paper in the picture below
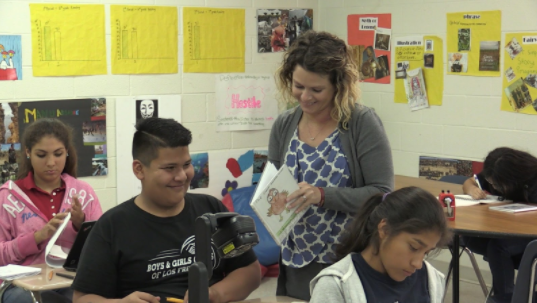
(368, 24)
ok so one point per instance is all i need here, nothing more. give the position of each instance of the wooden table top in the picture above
(46, 280)
(478, 220)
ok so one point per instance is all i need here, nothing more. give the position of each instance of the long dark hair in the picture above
(37, 131)
(410, 209)
(511, 172)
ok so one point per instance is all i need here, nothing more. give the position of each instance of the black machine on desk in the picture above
(231, 233)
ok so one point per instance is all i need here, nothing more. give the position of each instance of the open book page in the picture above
(467, 200)
(12, 272)
(54, 256)
(269, 203)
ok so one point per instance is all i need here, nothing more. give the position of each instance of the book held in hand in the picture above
(514, 207)
(269, 201)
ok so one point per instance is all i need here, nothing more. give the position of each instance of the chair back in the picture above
(525, 280)
(456, 179)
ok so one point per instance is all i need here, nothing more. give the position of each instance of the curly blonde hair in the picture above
(325, 54)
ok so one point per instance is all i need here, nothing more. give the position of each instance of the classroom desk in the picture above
(476, 221)
(41, 282)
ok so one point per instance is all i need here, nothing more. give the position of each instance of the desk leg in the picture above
(455, 260)
(36, 296)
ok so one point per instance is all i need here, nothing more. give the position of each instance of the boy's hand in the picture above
(140, 297)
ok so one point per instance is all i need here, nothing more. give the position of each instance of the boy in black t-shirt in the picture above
(141, 249)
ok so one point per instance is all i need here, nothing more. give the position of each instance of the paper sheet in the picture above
(68, 39)
(144, 39)
(214, 40)
(51, 251)
(245, 102)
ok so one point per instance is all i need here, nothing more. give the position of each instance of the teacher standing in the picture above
(336, 149)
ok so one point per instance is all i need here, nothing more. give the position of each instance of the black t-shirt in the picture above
(380, 288)
(131, 250)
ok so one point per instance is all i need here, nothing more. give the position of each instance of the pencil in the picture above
(174, 300)
(50, 275)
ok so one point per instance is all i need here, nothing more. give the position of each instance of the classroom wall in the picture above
(197, 90)
(469, 123)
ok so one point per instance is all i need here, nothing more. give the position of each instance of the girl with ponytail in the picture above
(381, 256)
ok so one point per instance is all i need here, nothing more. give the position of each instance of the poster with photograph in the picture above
(440, 169)
(200, 162)
(87, 117)
(370, 37)
(415, 90)
(412, 53)
(474, 37)
(278, 28)
(520, 73)
(11, 64)
(128, 111)
(260, 161)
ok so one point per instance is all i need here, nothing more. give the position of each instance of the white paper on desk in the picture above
(12, 272)
(467, 200)
(52, 257)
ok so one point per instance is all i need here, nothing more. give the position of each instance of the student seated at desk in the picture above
(381, 257)
(34, 206)
(512, 174)
(141, 249)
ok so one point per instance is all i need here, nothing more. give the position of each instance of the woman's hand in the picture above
(307, 195)
(77, 214)
(50, 228)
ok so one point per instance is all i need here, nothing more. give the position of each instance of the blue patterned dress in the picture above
(314, 236)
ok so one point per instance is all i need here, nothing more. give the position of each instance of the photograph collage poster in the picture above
(87, 118)
(520, 73)
(370, 37)
(473, 43)
(278, 28)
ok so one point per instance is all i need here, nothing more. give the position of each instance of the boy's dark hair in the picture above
(155, 133)
(512, 172)
(410, 209)
(39, 129)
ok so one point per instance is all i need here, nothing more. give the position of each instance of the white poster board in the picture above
(127, 111)
(245, 102)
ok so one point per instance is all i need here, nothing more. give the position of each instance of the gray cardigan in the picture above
(365, 146)
(340, 283)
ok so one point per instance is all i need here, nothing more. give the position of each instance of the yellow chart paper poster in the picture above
(473, 43)
(425, 52)
(144, 39)
(213, 40)
(68, 39)
(519, 85)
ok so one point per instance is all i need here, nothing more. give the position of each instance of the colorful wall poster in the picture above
(278, 28)
(435, 168)
(128, 111)
(473, 43)
(213, 40)
(245, 102)
(68, 39)
(228, 171)
(144, 39)
(370, 36)
(520, 73)
(11, 64)
(424, 52)
(87, 117)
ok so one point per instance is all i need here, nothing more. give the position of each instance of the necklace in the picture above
(312, 138)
